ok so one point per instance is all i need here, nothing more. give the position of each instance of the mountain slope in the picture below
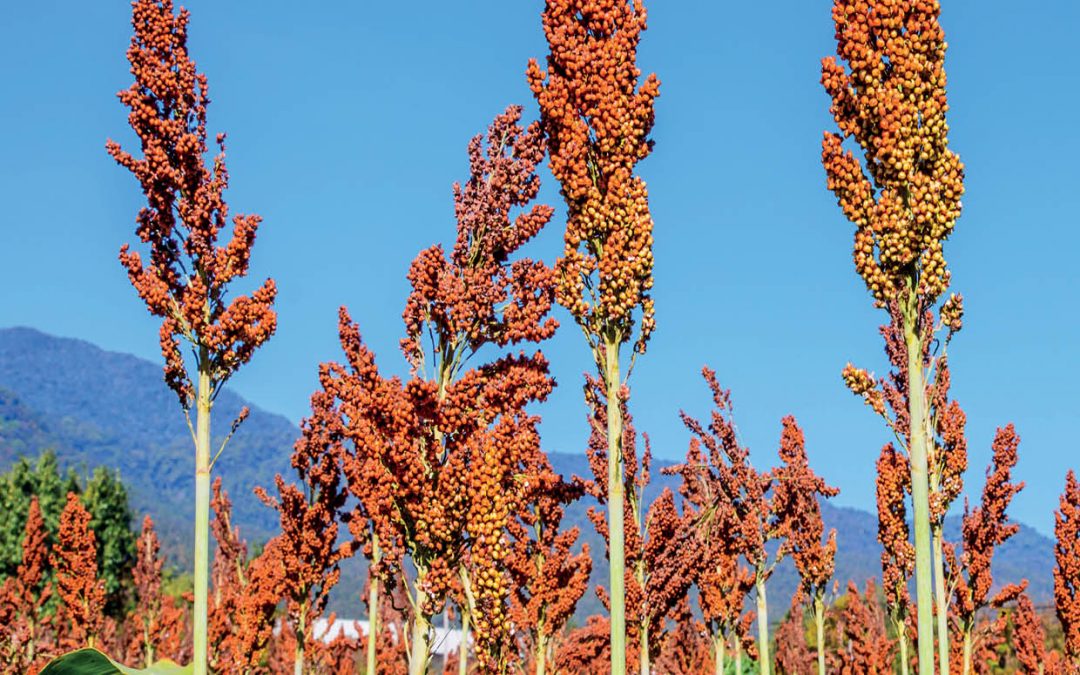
(96, 407)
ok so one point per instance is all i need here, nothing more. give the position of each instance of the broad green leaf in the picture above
(93, 662)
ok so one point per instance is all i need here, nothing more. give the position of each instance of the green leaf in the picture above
(93, 662)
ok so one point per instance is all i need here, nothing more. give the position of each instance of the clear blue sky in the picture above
(348, 125)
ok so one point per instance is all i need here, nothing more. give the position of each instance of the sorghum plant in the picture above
(897, 552)
(985, 528)
(449, 442)
(245, 594)
(865, 648)
(661, 548)
(155, 627)
(737, 516)
(186, 277)
(688, 650)
(23, 598)
(587, 649)
(793, 656)
(1067, 568)
(80, 616)
(1029, 638)
(904, 199)
(796, 489)
(310, 554)
(547, 580)
(598, 116)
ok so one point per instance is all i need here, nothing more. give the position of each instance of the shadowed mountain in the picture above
(96, 407)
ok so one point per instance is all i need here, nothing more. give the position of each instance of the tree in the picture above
(547, 581)
(985, 528)
(1067, 568)
(187, 276)
(598, 118)
(80, 617)
(796, 489)
(904, 200)
(156, 626)
(105, 497)
(25, 481)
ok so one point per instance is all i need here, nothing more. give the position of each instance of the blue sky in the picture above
(347, 127)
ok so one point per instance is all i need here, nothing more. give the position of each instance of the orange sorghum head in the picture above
(597, 113)
(904, 197)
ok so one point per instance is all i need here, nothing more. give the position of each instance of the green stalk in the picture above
(764, 662)
(202, 514)
(298, 659)
(738, 655)
(541, 653)
(463, 644)
(920, 486)
(643, 657)
(420, 648)
(616, 497)
(819, 623)
(967, 651)
(719, 645)
(902, 639)
(373, 607)
(942, 604)
(639, 574)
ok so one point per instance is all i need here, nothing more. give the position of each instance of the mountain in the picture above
(96, 407)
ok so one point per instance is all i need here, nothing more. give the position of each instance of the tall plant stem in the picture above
(463, 644)
(541, 653)
(643, 656)
(719, 647)
(920, 485)
(738, 655)
(420, 645)
(901, 638)
(967, 651)
(819, 623)
(202, 515)
(616, 498)
(298, 660)
(941, 599)
(639, 575)
(373, 607)
(764, 662)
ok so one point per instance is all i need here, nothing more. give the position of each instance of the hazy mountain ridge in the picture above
(96, 407)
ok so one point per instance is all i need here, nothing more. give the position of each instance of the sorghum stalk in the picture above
(819, 624)
(764, 662)
(616, 499)
(202, 518)
(373, 607)
(920, 486)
